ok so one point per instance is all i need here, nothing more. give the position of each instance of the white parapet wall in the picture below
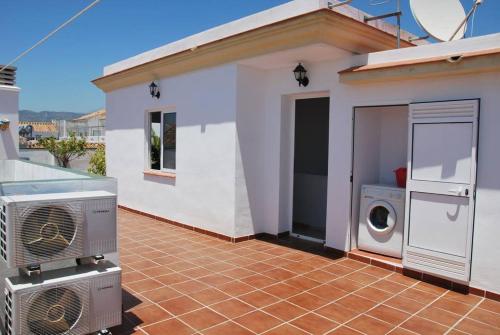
(9, 107)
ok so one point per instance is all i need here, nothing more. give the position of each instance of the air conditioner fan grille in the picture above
(55, 311)
(48, 230)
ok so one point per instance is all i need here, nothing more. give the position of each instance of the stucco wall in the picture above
(203, 192)
(9, 107)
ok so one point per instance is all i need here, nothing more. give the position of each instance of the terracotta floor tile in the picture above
(490, 318)
(144, 285)
(161, 294)
(298, 268)
(132, 276)
(180, 305)
(420, 296)
(215, 279)
(172, 278)
(352, 264)
(232, 308)
(259, 267)
(172, 326)
(321, 276)
(209, 296)
(338, 270)
(308, 301)
(346, 284)
(238, 273)
(344, 331)
(150, 314)
(474, 327)
(202, 319)
(156, 271)
(356, 303)
(279, 274)
(452, 306)
(219, 266)
(258, 299)
(401, 331)
(181, 266)
(133, 301)
(142, 264)
(370, 326)
(314, 324)
(285, 330)
(258, 321)
(227, 328)
(404, 304)
(490, 305)
(388, 314)
(362, 278)
(285, 311)
(258, 281)
(190, 286)
(423, 326)
(430, 288)
(328, 292)
(302, 283)
(337, 313)
(389, 286)
(196, 273)
(377, 272)
(282, 290)
(373, 294)
(236, 288)
(440, 316)
(463, 298)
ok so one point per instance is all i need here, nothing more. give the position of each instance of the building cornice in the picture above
(322, 26)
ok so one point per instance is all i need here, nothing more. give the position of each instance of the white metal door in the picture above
(440, 192)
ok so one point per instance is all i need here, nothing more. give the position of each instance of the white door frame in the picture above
(290, 110)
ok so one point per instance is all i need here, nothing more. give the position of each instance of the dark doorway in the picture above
(310, 178)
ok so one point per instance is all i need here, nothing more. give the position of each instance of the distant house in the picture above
(91, 126)
(37, 130)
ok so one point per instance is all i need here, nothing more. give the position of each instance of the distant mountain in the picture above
(45, 116)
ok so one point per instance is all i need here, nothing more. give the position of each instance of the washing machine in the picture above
(381, 220)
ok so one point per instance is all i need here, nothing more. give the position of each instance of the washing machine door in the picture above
(381, 218)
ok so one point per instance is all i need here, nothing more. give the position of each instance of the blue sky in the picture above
(57, 75)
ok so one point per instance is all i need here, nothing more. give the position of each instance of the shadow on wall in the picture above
(8, 144)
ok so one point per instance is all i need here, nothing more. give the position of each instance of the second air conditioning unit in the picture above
(77, 300)
(41, 228)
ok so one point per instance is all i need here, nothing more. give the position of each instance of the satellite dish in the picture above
(440, 18)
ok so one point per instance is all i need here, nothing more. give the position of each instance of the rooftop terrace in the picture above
(177, 281)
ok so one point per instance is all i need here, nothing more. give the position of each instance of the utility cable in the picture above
(43, 40)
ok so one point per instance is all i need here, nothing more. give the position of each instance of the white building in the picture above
(92, 126)
(233, 159)
(9, 107)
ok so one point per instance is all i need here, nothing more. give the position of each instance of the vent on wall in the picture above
(8, 76)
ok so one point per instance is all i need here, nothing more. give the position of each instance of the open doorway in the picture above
(310, 168)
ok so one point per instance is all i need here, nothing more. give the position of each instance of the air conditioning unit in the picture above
(77, 300)
(41, 228)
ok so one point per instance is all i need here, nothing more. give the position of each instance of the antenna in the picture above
(440, 19)
(397, 14)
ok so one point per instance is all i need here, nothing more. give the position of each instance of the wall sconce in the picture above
(4, 124)
(301, 75)
(154, 90)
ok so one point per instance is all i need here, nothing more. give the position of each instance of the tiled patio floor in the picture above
(179, 282)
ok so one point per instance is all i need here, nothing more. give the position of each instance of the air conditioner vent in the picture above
(56, 311)
(49, 231)
(3, 233)
(8, 313)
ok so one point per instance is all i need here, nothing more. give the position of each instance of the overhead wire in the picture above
(43, 40)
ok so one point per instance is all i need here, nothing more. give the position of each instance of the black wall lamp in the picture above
(301, 75)
(154, 90)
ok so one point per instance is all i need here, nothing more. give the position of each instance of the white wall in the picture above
(233, 140)
(203, 192)
(9, 107)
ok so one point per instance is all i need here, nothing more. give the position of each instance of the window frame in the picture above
(148, 116)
